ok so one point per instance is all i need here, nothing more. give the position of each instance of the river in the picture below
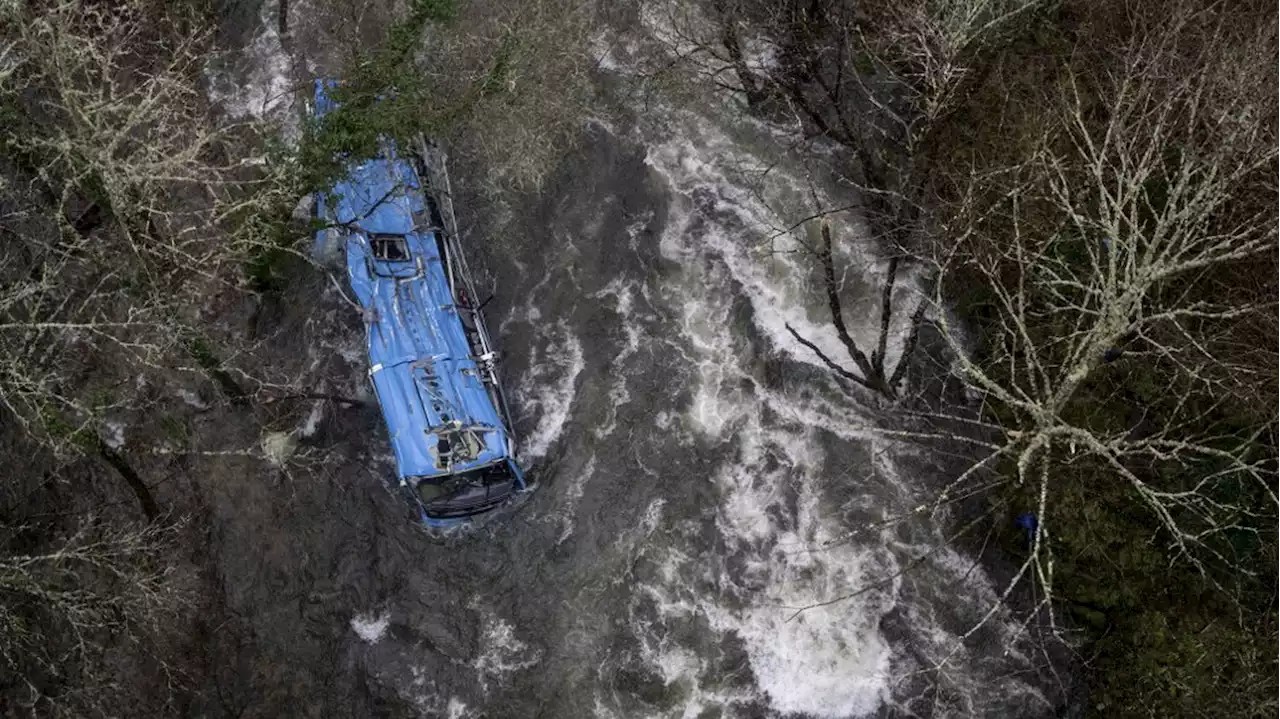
(700, 477)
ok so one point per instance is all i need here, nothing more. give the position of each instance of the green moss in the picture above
(56, 426)
(500, 73)
(382, 96)
(269, 255)
(100, 399)
(442, 11)
(201, 351)
(176, 430)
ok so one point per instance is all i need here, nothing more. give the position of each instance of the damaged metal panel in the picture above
(430, 355)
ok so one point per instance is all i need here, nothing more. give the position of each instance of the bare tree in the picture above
(1098, 249)
(873, 372)
(879, 79)
(67, 604)
(525, 68)
(129, 212)
(130, 207)
(1120, 220)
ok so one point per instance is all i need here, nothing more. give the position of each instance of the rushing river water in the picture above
(698, 474)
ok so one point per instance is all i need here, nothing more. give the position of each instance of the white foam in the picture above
(457, 709)
(678, 27)
(652, 515)
(192, 399)
(759, 54)
(832, 662)
(602, 51)
(686, 32)
(624, 298)
(531, 314)
(422, 691)
(114, 437)
(278, 447)
(573, 495)
(748, 235)
(369, 627)
(309, 427)
(266, 92)
(827, 661)
(717, 402)
(681, 667)
(501, 653)
(550, 388)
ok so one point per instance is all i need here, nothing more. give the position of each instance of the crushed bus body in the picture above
(389, 224)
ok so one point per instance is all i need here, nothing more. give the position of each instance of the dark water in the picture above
(695, 469)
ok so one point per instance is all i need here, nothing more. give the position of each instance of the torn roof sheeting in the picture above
(421, 363)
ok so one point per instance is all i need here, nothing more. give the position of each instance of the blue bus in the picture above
(390, 224)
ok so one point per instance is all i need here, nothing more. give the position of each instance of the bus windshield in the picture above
(466, 493)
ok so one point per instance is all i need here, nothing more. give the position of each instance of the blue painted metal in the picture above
(1027, 523)
(429, 353)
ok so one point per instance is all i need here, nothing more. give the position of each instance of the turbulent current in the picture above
(701, 479)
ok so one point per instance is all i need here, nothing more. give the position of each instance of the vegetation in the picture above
(1094, 187)
(507, 91)
(1127, 249)
(144, 235)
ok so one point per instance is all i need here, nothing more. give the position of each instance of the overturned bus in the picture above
(389, 224)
